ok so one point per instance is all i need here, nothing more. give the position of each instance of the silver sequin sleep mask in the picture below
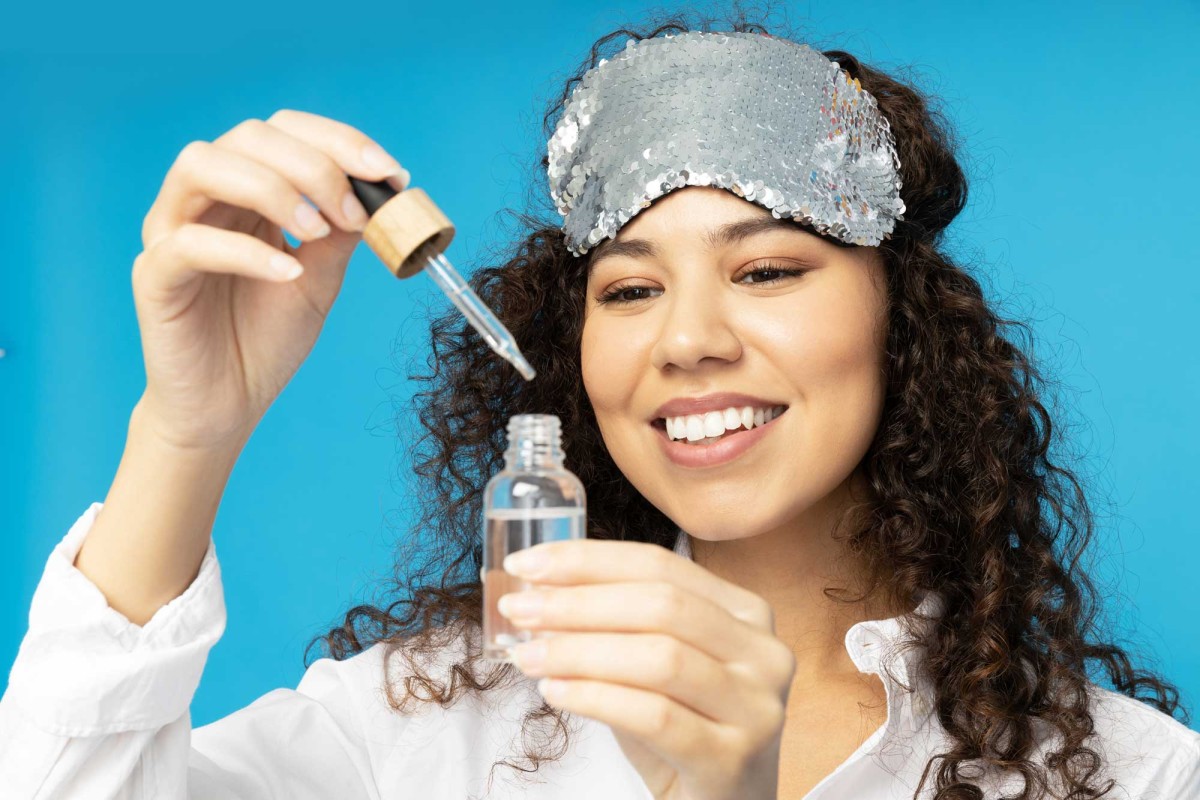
(771, 120)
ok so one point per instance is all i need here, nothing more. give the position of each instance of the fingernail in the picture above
(530, 656)
(310, 221)
(285, 266)
(528, 563)
(521, 604)
(377, 160)
(354, 211)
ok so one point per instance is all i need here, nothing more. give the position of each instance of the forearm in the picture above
(150, 537)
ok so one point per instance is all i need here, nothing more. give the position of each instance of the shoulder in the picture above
(333, 699)
(1148, 752)
(1125, 722)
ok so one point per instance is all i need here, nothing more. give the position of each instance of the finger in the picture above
(678, 734)
(576, 561)
(650, 661)
(660, 608)
(309, 169)
(205, 173)
(353, 150)
(196, 249)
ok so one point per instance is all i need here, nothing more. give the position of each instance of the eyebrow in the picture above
(721, 236)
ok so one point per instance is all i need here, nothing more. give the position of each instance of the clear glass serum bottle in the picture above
(534, 499)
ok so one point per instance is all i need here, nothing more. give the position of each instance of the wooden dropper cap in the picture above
(401, 224)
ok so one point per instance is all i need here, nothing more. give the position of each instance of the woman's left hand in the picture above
(684, 667)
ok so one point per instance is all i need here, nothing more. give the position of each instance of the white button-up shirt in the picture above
(97, 707)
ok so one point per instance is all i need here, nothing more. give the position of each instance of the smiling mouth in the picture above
(661, 425)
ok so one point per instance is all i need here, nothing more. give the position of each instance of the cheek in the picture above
(845, 359)
(841, 367)
(605, 368)
(827, 343)
(843, 336)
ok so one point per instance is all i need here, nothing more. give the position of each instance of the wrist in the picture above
(148, 542)
(147, 434)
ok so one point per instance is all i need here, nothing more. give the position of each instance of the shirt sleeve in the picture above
(97, 706)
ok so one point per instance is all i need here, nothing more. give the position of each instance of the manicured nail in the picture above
(310, 221)
(377, 160)
(285, 266)
(527, 563)
(523, 605)
(354, 211)
(530, 656)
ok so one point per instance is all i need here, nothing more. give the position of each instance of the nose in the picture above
(696, 324)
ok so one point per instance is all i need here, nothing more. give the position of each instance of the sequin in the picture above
(771, 120)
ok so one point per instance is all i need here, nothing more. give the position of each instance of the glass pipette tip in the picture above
(479, 315)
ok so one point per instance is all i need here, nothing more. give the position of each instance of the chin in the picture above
(708, 515)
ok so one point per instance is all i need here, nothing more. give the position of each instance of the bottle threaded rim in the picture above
(534, 431)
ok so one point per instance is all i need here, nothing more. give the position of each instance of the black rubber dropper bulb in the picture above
(372, 194)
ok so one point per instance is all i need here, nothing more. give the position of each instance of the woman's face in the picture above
(698, 323)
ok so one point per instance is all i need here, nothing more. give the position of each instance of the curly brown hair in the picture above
(966, 499)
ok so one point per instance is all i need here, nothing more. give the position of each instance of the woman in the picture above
(873, 599)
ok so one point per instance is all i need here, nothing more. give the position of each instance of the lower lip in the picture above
(717, 453)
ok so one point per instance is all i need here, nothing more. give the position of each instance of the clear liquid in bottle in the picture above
(534, 499)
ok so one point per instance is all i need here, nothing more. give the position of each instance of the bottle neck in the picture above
(534, 442)
(524, 456)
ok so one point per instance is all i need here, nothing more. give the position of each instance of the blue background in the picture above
(1078, 135)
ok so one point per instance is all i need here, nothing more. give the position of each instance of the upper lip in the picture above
(682, 406)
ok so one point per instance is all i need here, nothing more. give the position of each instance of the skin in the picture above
(698, 665)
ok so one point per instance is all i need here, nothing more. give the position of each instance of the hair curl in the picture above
(965, 498)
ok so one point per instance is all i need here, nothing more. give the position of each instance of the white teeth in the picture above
(714, 424)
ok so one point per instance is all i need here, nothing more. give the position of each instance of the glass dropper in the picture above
(478, 314)
(412, 234)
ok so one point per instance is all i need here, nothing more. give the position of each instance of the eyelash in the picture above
(612, 295)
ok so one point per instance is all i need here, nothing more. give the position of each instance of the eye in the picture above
(616, 295)
(777, 269)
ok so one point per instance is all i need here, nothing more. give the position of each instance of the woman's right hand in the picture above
(223, 329)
